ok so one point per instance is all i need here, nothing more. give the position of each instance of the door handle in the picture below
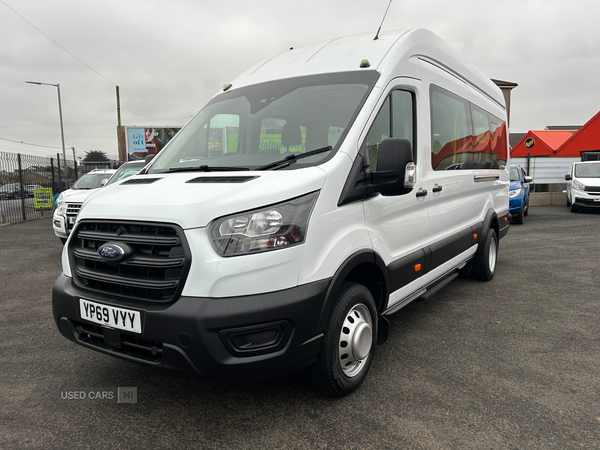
(421, 192)
(437, 188)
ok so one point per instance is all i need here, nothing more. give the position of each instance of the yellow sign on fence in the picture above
(42, 198)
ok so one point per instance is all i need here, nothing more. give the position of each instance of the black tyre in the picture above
(484, 264)
(568, 201)
(63, 240)
(349, 343)
(573, 208)
(526, 209)
(518, 219)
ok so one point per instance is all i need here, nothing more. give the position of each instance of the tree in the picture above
(95, 155)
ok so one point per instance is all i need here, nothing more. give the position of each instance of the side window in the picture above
(499, 151)
(403, 116)
(395, 120)
(482, 142)
(450, 127)
(380, 130)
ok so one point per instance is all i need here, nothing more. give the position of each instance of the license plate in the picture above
(109, 316)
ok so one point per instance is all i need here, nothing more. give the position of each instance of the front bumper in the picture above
(238, 338)
(582, 199)
(587, 202)
(515, 205)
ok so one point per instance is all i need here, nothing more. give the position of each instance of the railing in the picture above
(20, 174)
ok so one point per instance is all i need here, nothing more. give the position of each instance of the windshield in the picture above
(257, 125)
(125, 171)
(91, 181)
(514, 174)
(587, 170)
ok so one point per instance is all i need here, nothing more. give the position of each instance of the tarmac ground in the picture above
(509, 364)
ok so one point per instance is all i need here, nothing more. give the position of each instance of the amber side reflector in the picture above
(475, 236)
(417, 267)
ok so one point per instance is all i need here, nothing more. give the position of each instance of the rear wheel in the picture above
(484, 264)
(349, 342)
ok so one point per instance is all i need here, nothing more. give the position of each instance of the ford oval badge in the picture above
(111, 252)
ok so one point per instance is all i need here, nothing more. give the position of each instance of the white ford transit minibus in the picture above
(359, 175)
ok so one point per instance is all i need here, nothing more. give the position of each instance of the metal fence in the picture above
(21, 174)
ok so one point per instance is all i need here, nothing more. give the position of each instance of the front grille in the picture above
(72, 211)
(588, 201)
(154, 272)
(592, 189)
(129, 345)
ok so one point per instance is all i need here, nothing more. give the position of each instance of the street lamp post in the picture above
(62, 133)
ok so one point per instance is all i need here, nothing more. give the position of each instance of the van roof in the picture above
(393, 54)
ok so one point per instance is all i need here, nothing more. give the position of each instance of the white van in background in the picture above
(583, 185)
(69, 201)
(359, 175)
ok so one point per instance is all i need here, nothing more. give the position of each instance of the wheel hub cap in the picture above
(356, 339)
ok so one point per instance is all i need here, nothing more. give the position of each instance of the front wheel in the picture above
(349, 342)
(573, 208)
(484, 265)
(518, 219)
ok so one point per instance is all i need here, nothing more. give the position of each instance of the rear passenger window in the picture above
(394, 120)
(451, 135)
(499, 142)
(454, 145)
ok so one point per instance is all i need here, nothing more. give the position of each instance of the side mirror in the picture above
(568, 177)
(527, 179)
(149, 158)
(103, 182)
(396, 172)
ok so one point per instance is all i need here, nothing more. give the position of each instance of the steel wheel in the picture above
(493, 254)
(348, 343)
(356, 338)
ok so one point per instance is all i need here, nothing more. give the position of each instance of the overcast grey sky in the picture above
(170, 57)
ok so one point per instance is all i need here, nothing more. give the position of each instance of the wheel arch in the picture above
(364, 267)
(490, 221)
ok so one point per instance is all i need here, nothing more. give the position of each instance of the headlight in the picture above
(514, 193)
(61, 205)
(270, 228)
(577, 185)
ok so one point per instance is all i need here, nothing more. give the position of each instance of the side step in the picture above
(439, 285)
(425, 293)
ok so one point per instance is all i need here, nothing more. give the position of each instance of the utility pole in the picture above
(119, 130)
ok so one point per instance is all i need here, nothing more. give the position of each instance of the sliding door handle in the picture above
(437, 188)
(421, 192)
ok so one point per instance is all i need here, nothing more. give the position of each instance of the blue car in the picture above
(519, 193)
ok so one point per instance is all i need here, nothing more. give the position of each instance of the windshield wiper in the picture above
(290, 159)
(204, 168)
